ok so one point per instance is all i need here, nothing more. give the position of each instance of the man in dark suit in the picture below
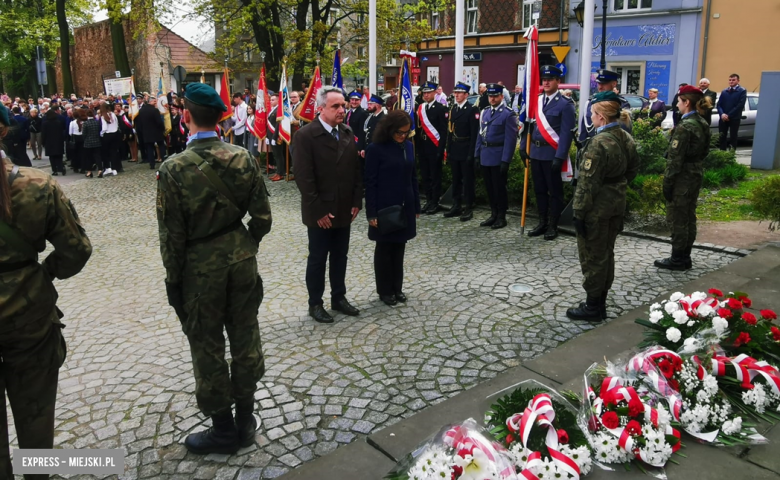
(461, 140)
(704, 86)
(327, 173)
(730, 106)
(151, 129)
(356, 116)
(277, 146)
(550, 142)
(482, 102)
(18, 138)
(516, 99)
(431, 141)
(656, 112)
(373, 116)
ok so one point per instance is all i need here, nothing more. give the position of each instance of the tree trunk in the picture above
(62, 22)
(118, 37)
(268, 38)
(301, 15)
(51, 75)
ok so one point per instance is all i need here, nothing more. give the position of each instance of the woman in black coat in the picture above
(391, 179)
(53, 138)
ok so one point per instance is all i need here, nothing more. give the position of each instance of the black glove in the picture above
(668, 192)
(523, 154)
(504, 168)
(557, 164)
(579, 226)
(176, 299)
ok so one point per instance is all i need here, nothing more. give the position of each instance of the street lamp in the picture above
(579, 14)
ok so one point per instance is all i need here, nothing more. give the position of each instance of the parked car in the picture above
(637, 102)
(747, 127)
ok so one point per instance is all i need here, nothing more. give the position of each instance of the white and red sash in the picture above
(270, 125)
(127, 122)
(427, 126)
(181, 126)
(551, 137)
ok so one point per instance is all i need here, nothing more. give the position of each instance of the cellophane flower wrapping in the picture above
(464, 451)
(693, 395)
(539, 428)
(625, 422)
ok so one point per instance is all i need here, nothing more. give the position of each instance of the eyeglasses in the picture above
(402, 133)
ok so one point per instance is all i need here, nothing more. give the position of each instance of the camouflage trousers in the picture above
(597, 253)
(681, 216)
(30, 359)
(224, 300)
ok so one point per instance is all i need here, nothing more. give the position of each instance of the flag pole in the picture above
(528, 141)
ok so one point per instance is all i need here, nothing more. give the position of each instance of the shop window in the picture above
(471, 16)
(631, 5)
(528, 7)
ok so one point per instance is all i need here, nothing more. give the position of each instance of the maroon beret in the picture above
(689, 89)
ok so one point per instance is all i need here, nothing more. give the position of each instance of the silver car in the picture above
(746, 128)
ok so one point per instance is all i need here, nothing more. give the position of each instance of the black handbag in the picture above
(391, 219)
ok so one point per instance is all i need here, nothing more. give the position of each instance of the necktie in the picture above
(335, 134)
(492, 111)
(348, 116)
(546, 99)
(731, 90)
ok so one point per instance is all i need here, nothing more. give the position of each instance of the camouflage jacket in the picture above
(191, 212)
(688, 146)
(40, 212)
(606, 164)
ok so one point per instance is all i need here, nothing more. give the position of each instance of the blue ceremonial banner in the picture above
(159, 87)
(406, 99)
(335, 78)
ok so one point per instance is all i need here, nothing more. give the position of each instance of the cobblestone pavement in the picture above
(128, 382)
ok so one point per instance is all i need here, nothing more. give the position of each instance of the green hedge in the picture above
(766, 201)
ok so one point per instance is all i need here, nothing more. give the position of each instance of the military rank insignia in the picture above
(675, 143)
(587, 164)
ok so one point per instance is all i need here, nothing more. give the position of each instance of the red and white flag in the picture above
(307, 109)
(262, 103)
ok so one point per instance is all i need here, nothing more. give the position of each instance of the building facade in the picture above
(494, 47)
(650, 43)
(739, 37)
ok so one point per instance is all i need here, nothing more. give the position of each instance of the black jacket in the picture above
(53, 135)
(149, 124)
(356, 120)
(437, 114)
(462, 132)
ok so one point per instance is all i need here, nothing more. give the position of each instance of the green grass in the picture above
(730, 204)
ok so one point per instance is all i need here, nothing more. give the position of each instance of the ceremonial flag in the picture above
(529, 106)
(307, 109)
(364, 101)
(261, 107)
(405, 97)
(133, 100)
(160, 86)
(284, 111)
(224, 94)
(335, 79)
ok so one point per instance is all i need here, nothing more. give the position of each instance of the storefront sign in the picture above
(657, 76)
(636, 40)
(472, 57)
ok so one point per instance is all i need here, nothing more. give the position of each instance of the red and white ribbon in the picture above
(551, 137)
(427, 126)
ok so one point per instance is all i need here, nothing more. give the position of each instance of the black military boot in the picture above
(221, 438)
(433, 208)
(490, 220)
(603, 305)
(675, 262)
(500, 221)
(468, 214)
(688, 261)
(246, 422)
(552, 230)
(590, 311)
(426, 206)
(540, 229)
(455, 211)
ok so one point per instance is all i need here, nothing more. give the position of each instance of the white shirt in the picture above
(109, 127)
(239, 117)
(328, 128)
(74, 128)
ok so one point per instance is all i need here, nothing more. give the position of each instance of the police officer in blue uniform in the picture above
(431, 141)
(547, 160)
(607, 80)
(494, 150)
(356, 115)
(461, 141)
(374, 115)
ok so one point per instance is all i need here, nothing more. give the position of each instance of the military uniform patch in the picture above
(476, 115)
(675, 143)
(587, 164)
(160, 201)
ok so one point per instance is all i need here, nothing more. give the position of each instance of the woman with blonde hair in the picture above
(688, 146)
(606, 163)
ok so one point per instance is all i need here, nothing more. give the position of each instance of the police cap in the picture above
(461, 87)
(376, 99)
(204, 95)
(549, 71)
(355, 94)
(495, 89)
(429, 87)
(603, 76)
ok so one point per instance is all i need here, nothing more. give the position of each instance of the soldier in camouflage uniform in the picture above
(210, 259)
(688, 146)
(607, 163)
(33, 210)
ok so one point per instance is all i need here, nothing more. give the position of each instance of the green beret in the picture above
(204, 95)
(4, 116)
(608, 96)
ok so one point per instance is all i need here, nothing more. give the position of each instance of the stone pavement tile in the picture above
(358, 460)
(766, 456)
